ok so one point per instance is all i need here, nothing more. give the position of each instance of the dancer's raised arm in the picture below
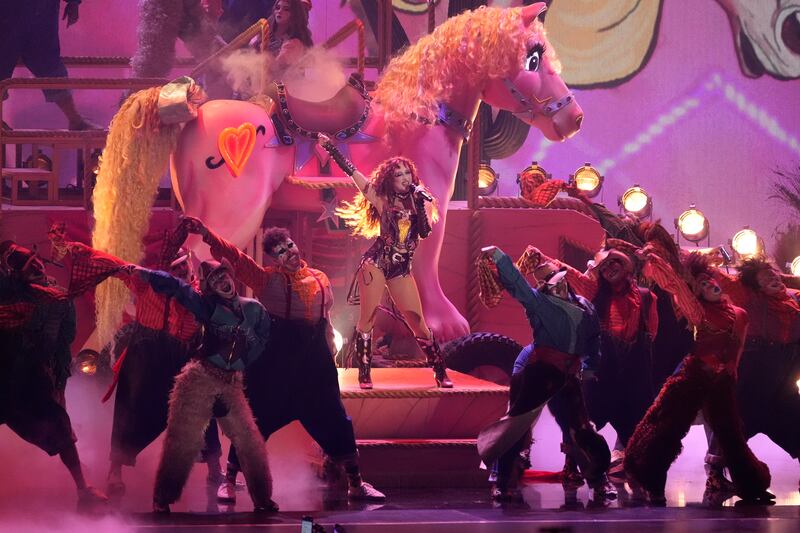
(361, 181)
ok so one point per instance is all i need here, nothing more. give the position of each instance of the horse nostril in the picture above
(578, 121)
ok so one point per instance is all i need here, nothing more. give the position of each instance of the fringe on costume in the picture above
(750, 476)
(656, 441)
(191, 405)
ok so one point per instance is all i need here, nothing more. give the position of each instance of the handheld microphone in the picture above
(420, 190)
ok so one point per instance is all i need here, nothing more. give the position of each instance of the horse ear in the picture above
(531, 12)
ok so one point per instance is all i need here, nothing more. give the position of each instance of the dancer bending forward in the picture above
(705, 380)
(567, 334)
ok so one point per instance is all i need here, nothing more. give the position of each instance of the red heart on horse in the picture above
(236, 145)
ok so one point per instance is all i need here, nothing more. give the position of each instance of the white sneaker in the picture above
(226, 493)
(604, 491)
(365, 492)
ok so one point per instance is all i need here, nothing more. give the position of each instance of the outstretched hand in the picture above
(646, 252)
(533, 256)
(195, 225)
(530, 260)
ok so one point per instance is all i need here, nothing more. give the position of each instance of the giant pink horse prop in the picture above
(499, 56)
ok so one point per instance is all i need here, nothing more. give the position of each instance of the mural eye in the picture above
(534, 58)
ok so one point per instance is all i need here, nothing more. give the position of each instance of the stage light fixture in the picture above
(746, 243)
(588, 180)
(794, 266)
(635, 201)
(86, 362)
(487, 180)
(692, 225)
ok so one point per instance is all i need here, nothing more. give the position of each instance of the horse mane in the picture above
(467, 49)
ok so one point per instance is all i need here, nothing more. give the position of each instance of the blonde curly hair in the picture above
(468, 49)
(134, 159)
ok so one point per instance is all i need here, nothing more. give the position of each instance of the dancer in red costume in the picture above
(37, 325)
(770, 364)
(705, 381)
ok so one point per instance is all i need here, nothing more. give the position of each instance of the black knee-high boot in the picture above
(364, 356)
(433, 353)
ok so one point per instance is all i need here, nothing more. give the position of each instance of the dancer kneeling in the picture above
(235, 333)
(705, 380)
(567, 334)
(391, 206)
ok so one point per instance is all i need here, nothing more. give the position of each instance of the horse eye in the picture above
(533, 61)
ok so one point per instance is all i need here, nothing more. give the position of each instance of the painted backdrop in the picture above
(684, 118)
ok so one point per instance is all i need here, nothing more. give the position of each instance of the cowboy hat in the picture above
(209, 269)
(616, 249)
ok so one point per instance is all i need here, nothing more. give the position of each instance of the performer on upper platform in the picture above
(297, 378)
(706, 380)
(390, 206)
(567, 337)
(37, 325)
(289, 34)
(29, 32)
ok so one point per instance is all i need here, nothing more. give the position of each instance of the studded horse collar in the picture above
(451, 119)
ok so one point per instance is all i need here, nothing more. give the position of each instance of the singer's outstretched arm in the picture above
(347, 166)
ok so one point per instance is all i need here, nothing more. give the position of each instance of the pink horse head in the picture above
(535, 93)
(231, 160)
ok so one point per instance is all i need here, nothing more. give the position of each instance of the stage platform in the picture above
(412, 434)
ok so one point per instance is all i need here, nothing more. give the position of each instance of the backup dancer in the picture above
(37, 326)
(567, 337)
(391, 207)
(770, 366)
(235, 332)
(628, 316)
(296, 379)
(705, 381)
(162, 338)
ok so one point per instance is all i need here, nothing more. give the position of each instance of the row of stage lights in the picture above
(692, 224)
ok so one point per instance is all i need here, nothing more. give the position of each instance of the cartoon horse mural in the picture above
(229, 162)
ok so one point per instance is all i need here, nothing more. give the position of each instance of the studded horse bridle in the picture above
(549, 109)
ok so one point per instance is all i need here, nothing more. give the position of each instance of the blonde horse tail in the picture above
(135, 157)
